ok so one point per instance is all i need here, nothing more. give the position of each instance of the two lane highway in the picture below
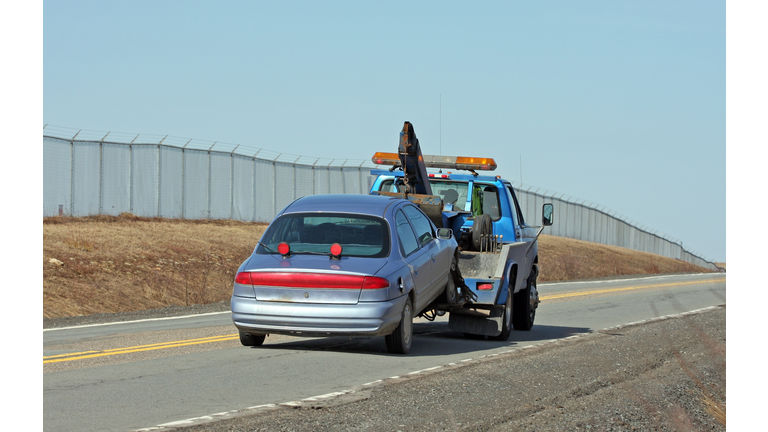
(134, 375)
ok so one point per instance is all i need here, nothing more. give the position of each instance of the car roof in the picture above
(342, 203)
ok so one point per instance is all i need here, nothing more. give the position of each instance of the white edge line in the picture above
(137, 321)
(298, 403)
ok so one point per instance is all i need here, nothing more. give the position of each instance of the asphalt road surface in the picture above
(166, 372)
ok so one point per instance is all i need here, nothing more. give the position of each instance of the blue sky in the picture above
(618, 103)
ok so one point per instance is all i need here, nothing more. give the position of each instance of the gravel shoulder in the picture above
(663, 375)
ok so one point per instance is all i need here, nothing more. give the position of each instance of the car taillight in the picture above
(318, 280)
(373, 282)
(484, 286)
(243, 278)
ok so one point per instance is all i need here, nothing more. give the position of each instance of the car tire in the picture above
(451, 292)
(506, 320)
(482, 229)
(399, 342)
(249, 339)
(524, 307)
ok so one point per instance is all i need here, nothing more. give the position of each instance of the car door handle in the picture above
(433, 257)
(415, 270)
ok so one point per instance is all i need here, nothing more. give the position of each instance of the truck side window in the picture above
(518, 212)
(420, 224)
(408, 242)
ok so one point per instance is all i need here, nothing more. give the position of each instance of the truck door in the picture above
(524, 233)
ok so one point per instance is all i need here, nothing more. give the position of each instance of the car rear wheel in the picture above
(399, 342)
(248, 339)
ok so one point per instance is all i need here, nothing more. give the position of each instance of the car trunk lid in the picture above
(310, 279)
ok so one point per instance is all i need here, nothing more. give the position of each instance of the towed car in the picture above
(344, 265)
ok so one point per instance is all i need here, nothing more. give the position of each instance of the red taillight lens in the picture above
(244, 278)
(318, 280)
(336, 249)
(484, 286)
(372, 282)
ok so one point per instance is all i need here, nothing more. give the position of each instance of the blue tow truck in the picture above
(495, 279)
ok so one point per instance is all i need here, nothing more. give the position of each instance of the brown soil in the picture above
(107, 264)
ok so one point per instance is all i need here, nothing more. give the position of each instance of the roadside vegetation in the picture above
(107, 264)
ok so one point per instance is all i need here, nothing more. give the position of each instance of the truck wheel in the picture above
(248, 339)
(524, 307)
(482, 229)
(506, 320)
(399, 342)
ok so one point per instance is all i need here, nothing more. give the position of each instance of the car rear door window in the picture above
(408, 241)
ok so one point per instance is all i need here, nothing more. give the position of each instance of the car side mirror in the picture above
(547, 211)
(444, 233)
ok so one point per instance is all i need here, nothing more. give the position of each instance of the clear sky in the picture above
(618, 103)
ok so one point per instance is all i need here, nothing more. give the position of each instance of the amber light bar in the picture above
(447, 162)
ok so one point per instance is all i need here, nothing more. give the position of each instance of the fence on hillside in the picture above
(83, 178)
(155, 176)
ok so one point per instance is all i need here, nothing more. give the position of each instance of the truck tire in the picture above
(506, 319)
(399, 342)
(482, 229)
(524, 307)
(248, 339)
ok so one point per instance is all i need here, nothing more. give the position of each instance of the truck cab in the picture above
(465, 196)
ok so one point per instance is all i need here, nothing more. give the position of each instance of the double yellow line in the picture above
(93, 354)
(629, 288)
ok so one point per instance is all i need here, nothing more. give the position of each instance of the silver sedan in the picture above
(352, 265)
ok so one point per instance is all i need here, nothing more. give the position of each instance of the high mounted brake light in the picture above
(447, 162)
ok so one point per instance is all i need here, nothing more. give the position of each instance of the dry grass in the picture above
(568, 259)
(105, 264)
(119, 264)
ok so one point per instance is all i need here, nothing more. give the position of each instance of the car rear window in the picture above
(314, 233)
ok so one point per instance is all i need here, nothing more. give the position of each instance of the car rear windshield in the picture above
(314, 233)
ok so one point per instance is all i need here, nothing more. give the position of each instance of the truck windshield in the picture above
(451, 192)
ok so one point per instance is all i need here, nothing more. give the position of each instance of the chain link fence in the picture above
(90, 173)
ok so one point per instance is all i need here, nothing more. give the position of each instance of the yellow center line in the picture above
(164, 345)
(630, 288)
(92, 354)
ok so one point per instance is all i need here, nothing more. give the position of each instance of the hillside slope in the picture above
(105, 264)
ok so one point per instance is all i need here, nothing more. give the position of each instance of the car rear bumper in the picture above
(306, 319)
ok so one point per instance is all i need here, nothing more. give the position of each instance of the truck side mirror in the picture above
(547, 211)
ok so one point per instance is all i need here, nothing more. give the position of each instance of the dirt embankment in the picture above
(105, 264)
